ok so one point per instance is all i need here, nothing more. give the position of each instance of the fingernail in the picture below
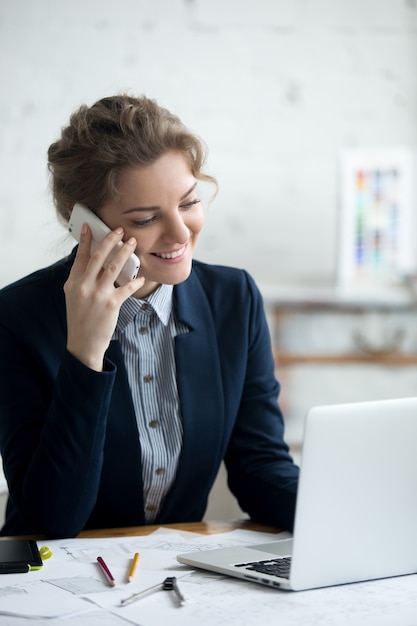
(119, 230)
(131, 241)
(83, 229)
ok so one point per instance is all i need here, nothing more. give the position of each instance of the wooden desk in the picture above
(205, 528)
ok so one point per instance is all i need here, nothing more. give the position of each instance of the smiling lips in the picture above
(170, 255)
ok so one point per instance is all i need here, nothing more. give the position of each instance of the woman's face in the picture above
(159, 206)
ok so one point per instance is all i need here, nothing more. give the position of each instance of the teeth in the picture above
(170, 255)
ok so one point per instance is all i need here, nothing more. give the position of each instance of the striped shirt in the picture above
(146, 331)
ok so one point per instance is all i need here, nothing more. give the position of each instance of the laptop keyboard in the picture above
(275, 567)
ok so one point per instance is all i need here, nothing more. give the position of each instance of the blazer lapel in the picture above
(122, 455)
(200, 391)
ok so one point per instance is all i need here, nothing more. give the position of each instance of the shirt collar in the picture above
(159, 302)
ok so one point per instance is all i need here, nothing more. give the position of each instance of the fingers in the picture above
(84, 247)
(104, 260)
(102, 253)
(132, 286)
(120, 264)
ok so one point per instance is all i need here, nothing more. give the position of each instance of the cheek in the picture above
(195, 222)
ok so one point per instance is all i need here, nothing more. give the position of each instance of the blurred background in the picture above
(281, 91)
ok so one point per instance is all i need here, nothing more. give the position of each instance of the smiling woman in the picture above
(135, 393)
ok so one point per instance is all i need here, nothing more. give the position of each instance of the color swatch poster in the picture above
(378, 221)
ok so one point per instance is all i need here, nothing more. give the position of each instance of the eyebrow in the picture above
(157, 208)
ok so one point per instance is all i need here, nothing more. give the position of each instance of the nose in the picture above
(175, 230)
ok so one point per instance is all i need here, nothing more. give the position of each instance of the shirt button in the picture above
(148, 378)
(150, 507)
(160, 471)
(143, 330)
(154, 424)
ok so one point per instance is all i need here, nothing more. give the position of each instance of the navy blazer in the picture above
(68, 434)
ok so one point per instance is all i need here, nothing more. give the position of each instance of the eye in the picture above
(144, 223)
(190, 204)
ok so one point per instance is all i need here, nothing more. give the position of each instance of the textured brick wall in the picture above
(275, 87)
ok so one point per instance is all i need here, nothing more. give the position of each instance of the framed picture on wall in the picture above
(378, 221)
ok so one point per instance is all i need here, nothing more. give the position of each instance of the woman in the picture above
(118, 403)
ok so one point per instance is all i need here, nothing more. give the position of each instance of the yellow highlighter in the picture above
(45, 553)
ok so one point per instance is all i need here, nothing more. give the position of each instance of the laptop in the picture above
(356, 513)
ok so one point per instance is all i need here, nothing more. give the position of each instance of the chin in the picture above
(177, 277)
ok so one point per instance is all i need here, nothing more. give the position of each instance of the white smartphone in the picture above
(81, 215)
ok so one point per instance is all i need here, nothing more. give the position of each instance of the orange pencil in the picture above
(133, 567)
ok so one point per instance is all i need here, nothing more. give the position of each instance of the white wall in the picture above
(275, 87)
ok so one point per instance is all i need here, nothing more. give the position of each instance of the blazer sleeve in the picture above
(261, 472)
(53, 413)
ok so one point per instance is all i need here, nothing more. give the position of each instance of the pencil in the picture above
(106, 571)
(133, 567)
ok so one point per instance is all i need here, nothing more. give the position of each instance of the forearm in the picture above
(268, 495)
(53, 462)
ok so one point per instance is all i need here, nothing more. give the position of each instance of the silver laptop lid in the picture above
(356, 515)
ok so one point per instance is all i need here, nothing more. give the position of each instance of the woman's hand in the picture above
(92, 300)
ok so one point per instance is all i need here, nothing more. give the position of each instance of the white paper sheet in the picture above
(71, 582)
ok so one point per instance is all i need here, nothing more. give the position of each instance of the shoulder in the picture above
(228, 288)
(36, 290)
(223, 279)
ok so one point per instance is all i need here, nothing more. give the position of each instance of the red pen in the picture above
(106, 571)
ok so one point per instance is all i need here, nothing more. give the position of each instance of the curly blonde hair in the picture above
(114, 133)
